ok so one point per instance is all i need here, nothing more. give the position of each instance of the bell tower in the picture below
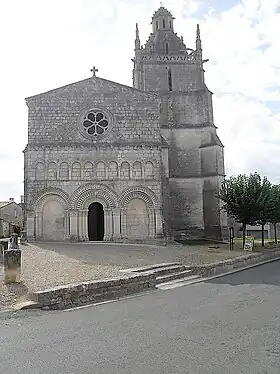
(164, 64)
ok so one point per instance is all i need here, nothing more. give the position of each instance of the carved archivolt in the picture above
(139, 192)
(50, 194)
(85, 195)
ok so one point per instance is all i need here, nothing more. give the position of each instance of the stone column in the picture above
(74, 225)
(83, 225)
(107, 225)
(38, 226)
(123, 223)
(116, 223)
(30, 225)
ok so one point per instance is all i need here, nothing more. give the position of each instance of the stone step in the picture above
(28, 304)
(178, 282)
(172, 276)
(170, 270)
(150, 267)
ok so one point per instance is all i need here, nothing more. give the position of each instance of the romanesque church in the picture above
(105, 161)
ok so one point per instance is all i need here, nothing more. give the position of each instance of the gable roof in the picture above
(97, 81)
(5, 203)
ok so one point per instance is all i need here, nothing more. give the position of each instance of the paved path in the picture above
(229, 325)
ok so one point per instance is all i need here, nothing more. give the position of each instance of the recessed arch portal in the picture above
(95, 222)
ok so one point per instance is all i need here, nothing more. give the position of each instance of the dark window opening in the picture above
(170, 24)
(166, 48)
(163, 23)
(170, 79)
(96, 222)
(156, 25)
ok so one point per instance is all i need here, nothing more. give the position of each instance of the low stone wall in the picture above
(72, 295)
(224, 266)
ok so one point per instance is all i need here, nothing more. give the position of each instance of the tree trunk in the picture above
(244, 233)
(275, 232)
(262, 235)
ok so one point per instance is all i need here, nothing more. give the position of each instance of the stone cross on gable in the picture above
(94, 71)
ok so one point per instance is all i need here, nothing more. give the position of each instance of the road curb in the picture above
(241, 262)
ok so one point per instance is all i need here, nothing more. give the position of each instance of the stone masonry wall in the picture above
(74, 295)
(55, 115)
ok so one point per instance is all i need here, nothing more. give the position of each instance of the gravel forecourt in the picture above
(46, 265)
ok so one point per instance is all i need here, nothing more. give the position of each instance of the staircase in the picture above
(168, 275)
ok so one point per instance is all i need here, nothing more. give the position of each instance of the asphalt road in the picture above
(227, 325)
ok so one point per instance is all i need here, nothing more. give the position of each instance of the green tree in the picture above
(266, 203)
(275, 209)
(244, 197)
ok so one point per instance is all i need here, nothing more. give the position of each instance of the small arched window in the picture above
(101, 170)
(166, 48)
(88, 170)
(113, 170)
(125, 170)
(52, 171)
(39, 173)
(170, 24)
(156, 25)
(76, 171)
(64, 171)
(163, 23)
(149, 170)
(137, 170)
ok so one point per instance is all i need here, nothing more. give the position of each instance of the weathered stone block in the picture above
(12, 266)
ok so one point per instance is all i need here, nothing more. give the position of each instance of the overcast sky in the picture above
(50, 43)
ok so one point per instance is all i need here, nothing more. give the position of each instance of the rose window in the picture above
(95, 123)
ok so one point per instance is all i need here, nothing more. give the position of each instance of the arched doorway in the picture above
(95, 222)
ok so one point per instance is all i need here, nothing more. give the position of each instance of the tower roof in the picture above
(162, 12)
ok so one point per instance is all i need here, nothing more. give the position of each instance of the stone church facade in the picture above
(105, 161)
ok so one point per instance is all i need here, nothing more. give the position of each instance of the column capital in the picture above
(73, 212)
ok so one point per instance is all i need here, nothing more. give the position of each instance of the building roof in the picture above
(93, 81)
(5, 203)
(162, 12)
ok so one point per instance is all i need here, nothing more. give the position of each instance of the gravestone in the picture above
(12, 262)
